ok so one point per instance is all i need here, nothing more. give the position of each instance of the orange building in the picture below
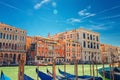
(109, 53)
(12, 44)
(72, 50)
(44, 49)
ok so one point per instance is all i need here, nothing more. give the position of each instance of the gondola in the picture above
(72, 77)
(43, 76)
(26, 77)
(57, 76)
(4, 77)
(108, 74)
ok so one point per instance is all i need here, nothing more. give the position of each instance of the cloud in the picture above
(11, 6)
(38, 5)
(96, 27)
(106, 10)
(85, 14)
(73, 20)
(110, 17)
(99, 26)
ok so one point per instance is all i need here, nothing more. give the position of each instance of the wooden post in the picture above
(93, 69)
(112, 72)
(83, 68)
(37, 73)
(76, 69)
(54, 69)
(65, 68)
(96, 70)
(21, 69)
(90, 69)
(103, 69)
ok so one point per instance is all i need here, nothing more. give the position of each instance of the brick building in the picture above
(12, 44)
(89, 40)
(44, 49)
(109, 53)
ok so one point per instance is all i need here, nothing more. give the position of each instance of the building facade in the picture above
(44, 49)
(12, 44)
(72, 51)
(89, 40)
(109, 53)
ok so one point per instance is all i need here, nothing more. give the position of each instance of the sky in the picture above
(40, 17)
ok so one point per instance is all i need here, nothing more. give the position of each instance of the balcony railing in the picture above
(10, 50)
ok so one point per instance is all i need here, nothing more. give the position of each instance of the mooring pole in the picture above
(21, 68)
(76, 69)
(54, 69)
(96, 69)
(103, 69)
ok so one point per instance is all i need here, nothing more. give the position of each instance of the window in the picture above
(7, 36)
(73, 44)
(84, 35)
(91, 45)
(13, 37)
(8, 29)
(97, 46)
(1, 35)
(94, 45)
(97, 38)
(90, 37)
(16, 37)
(4, 36)
(4, 28)
(70, 35)
(84, 44)
(16, 30)
(10, 37)
(77, 36)
(0, 45)
(87, 36)
(88, 45)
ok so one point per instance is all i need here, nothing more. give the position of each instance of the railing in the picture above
(6, 50)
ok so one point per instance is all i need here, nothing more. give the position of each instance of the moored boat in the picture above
(84, 77)
(4, 77)
(108, 73)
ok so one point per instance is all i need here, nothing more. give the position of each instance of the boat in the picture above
(72, 77)
(43, 76)
(4, 77)
(57, 76)
(107, 72)
(26, 77)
